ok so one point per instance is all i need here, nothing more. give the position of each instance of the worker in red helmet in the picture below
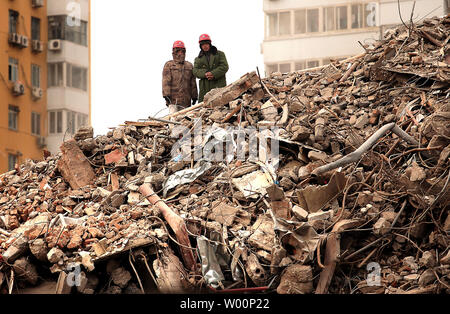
(210, 67)
(179, 87)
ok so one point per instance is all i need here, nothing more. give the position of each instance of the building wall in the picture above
(65, 99)
(71, 53)
(294, 50)
(21, 142)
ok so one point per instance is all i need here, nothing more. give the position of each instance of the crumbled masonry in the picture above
(121, 213)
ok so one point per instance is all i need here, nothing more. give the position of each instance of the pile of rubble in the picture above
(328, 180)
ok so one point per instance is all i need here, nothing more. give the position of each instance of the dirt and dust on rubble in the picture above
(355, 201)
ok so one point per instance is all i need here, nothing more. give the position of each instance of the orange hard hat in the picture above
(204, 37)
(178, 44)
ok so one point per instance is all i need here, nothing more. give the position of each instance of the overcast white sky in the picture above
(131, 40)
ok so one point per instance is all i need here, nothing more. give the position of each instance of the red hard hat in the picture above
(178, 44)
(204, 37)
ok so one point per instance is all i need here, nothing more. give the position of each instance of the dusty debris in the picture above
(121, 277)
(297, 279)
(350, 170)
(171, 277)
(25, 271)
(222, 96)
(74, 166)
(39, 249)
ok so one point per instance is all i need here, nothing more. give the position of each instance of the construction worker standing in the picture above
(179, 88)
(210, 66)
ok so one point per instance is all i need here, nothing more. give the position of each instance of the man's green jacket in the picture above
(217, 65)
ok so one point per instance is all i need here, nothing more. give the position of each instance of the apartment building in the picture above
(68, 95)
(23, 81)
(303, 34)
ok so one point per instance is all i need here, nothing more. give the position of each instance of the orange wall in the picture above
(21, 142)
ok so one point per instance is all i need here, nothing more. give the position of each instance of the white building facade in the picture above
(68, 95)
(302, 34)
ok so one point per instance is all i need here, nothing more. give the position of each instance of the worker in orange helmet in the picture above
(179, 87)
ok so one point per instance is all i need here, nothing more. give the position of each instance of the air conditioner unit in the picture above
(37, 46)
(24, 42)
(37, 3)
(12, 38)
(15, 39)
(41, 141)
(18, 88)
(37, 92)
(19, 40)
(54, 45)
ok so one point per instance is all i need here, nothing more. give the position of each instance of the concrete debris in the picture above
(55, 255)
(255, 271)
(121, 277)
(300, 213)
(74, 166)
(25, 271)
(297, 279)
(277, 170)
(39, 249)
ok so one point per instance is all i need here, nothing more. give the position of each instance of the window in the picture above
(55, 122)
(13, 117)
(303, 64)
(363, 15)
(270, 68)
(52, 122)
(13, 69)
(35, 75)
(370, 14)
(300, 65)
(312, 19)
(323, 19)
(285, 67)
(71, 122)
(306, 21)
(84, 33)
(55, 74)
(59, 29)
(35, 28)
(35, 123)
(12, 160)
(13, 18)
(328, 19)
(77, 33)
(81, 120)
(448, 6)
(273, 24)
(341, 17)
(300, 22)
(59, 119)
(357, 16)
(76, 77)
(56, 27)
(313, 64)
(279, 24)
(285, 23)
